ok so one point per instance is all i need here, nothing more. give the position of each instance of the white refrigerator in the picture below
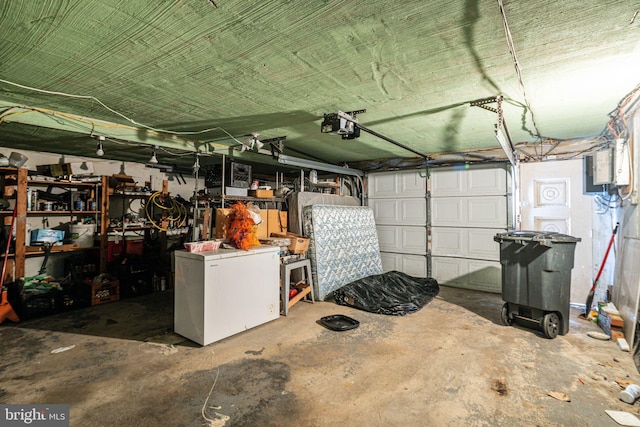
(221, 293)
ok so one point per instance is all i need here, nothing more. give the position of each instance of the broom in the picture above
(6, 311)
(592, 292)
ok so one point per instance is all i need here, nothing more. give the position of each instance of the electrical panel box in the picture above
(589, 186)
(622, 170)
(603, 167)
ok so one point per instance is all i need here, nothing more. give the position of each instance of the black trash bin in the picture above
(536, 279)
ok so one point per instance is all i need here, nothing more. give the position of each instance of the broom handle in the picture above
(6, 250)
(606, 254)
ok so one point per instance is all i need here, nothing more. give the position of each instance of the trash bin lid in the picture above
(535, 236)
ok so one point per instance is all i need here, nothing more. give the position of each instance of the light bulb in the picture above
(154, 160)
(100, 151)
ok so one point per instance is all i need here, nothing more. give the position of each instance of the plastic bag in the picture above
(394, 293)
(254, 211)
(242, 230)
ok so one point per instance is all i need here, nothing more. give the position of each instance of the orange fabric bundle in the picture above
(242, 229)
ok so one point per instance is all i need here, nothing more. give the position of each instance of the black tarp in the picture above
(394, 293)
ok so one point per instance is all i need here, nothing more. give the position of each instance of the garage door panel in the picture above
(382, 185)
(467, 273)
(470, 182)
(447, 241)
(384, 211)
(446, 212)
(486, 211)
(399, 211)
(481, 245)
(414, 265)
(413, 211)
(413, 239)
(485, 276)
(490, 211)
(486, 181)
(446, 183)
(475, 243)
(397, 184)
(467, 208)
(388, 238)
(448, 270)
(390, 261)
(413, 184)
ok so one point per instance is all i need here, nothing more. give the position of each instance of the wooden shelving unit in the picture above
(18, 179)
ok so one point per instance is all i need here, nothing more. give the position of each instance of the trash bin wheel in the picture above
(551, 325)
(504, 315)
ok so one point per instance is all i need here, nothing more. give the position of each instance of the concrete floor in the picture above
(452, 363)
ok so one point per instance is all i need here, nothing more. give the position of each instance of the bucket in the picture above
(82, 234)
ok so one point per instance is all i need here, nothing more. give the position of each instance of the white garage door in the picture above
(467, 208)
(399, 203)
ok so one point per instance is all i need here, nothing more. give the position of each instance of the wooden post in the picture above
(164, 222)
(21, 222)
(104, 223)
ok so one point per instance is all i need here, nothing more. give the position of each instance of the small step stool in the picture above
(285, 277)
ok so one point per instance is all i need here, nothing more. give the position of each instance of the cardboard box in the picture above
(276, 221)
(102, 293)
(273, 220)
(616, 333)
(222, 222)
(299, 244)
(261, 193)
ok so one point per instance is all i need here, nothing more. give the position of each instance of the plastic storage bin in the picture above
(134, 245)
(536, 279)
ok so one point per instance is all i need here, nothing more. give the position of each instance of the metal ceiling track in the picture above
(507, 145)
(351, 117)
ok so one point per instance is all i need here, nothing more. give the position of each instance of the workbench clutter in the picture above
(297, 244)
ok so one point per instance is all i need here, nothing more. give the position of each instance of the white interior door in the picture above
(551, 199)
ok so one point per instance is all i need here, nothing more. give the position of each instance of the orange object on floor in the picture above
(6, 311)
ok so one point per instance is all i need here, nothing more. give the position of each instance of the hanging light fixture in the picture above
(196, 164)
(154, 160)
(100, 151)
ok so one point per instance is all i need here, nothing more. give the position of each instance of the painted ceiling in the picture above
(203, 75)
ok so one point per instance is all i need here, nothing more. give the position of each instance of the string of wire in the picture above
(172, 211)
